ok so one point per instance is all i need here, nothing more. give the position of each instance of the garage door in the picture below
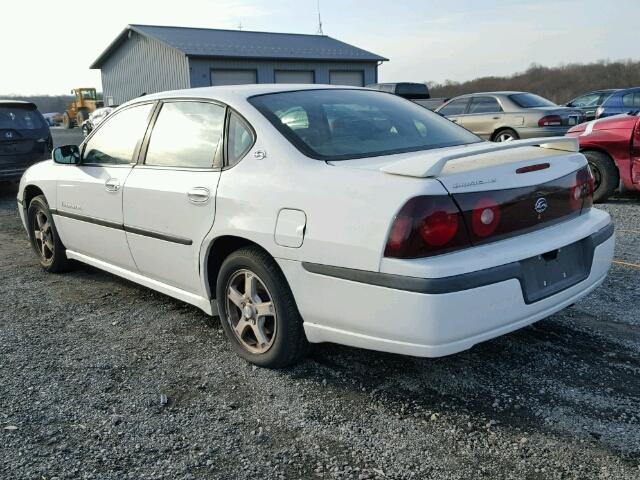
(298, 76)
(233, 77)
(353, 78)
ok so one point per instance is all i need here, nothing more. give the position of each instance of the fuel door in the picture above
(290, 228)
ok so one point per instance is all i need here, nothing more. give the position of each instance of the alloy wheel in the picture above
(597, 176)
(250, 311)
(43, 235)
(505, 137)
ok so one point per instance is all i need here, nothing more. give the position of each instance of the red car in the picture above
(612, 147)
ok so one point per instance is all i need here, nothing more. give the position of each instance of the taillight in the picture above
(581, 194)
(425, 226)
(550, 121)
(485, 217)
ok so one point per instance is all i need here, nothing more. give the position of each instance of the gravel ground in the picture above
(101, 378)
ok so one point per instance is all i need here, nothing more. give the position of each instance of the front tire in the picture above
(44, 237)
(66, 121)
(257, 310)
(605, 175)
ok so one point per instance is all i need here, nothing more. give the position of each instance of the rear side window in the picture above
(342, 124)
(631, 100)
(20, 118)
(240, 139)
(116, 140)
(455, 107)
(484, 105)
(186, 134)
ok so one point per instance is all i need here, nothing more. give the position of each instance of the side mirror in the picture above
(67, 155)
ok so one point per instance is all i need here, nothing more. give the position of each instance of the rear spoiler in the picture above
(430, 164)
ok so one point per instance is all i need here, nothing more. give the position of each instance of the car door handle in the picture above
(112, 185)
(199, 195)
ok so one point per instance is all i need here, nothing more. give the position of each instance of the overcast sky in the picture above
(47, 46)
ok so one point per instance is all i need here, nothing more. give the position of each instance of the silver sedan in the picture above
(506, 116)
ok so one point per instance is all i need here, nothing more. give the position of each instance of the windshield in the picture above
(529, 100)
(20, 118)
(88, 94)
(335, 124)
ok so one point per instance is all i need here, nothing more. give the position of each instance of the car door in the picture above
(89, 195)
(169, 199)
(455, 109)
(483, 116)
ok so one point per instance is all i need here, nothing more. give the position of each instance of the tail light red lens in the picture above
(425, 226)
(550, 121)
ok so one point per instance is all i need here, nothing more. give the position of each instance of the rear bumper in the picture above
(12, 173)
(429, 324)
(535, 132)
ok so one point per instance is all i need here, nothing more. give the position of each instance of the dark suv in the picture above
(24, 138)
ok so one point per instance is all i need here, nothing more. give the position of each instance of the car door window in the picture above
(240, 139)
(186, 134)
(115, 142)
(455, 107)
(484, 105)
(631, 100)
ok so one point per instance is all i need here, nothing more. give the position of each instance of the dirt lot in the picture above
(104, 379)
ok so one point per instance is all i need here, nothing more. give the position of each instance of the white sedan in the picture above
(308, 214)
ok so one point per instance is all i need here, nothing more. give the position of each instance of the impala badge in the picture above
(541, 205)
(8, 135)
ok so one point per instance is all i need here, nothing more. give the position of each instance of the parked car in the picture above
(507, 116)
(416, 92)
(590, 102)
(612, 147)
(96, 118)
(24, 138)
(52, 118)
(618, 101)
(367, 220)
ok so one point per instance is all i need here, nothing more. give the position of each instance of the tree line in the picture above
(559, 84)
(45, 103)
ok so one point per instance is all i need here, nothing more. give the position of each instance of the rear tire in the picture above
(44, 237)
(505, 135)
(257, 310)
(605, 174)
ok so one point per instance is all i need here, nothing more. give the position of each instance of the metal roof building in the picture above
(148, 59)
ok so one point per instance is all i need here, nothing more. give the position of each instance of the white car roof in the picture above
(231, 93)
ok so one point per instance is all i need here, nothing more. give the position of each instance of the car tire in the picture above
(505, 135)
(81, 116)
(44, 237)
(66, 121)
(605, 174)
(250, 283)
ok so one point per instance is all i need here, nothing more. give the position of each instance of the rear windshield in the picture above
(20, 118)
(337, 124)
(529, 100)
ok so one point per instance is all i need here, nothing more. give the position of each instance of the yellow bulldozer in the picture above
(85, 102)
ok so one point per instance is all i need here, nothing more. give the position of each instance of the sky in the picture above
(47, 46)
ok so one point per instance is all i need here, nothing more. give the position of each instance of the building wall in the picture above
(200, 69)
(142, 65)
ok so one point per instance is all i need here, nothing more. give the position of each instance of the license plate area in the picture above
(547, 274)
(573, 119)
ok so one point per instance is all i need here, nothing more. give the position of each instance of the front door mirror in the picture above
(67, 155)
